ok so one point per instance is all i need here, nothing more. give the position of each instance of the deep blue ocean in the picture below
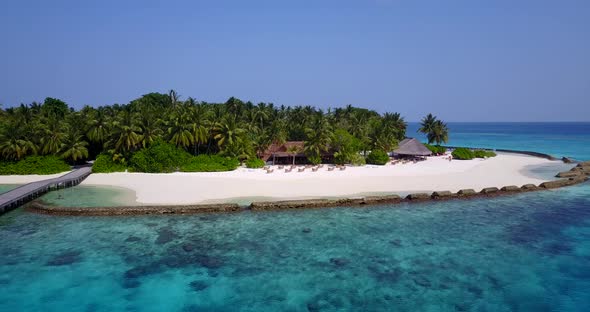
(529, 252)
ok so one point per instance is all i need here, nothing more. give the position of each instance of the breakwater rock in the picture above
(40, 207)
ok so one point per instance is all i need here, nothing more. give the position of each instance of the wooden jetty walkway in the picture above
(25, 193)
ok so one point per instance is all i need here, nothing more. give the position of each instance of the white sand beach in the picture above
(23, 179)
(434, 174)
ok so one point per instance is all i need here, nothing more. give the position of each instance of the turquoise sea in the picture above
(529, 252)
(558, 139)
(6, 187)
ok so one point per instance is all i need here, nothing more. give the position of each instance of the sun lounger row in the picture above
(288, 169)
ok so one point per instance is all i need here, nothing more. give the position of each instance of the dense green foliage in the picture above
(346, 148)
(233, 129)
(34, 165)
(255, 163)
(436, 149)
(483, 154)
(210, 163)
(377, 157)
(357, 160)
(159, 157)
(104, 164)
(435, 130)
(466, 154)
(463, 154)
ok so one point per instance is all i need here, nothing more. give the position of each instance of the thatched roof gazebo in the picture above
(412, 147)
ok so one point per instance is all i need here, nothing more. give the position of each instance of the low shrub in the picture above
(483, 154)
(463, 154)
(255, 163)
(210, 163)
(377, 157)
(160, 157)
(314, 159)
(436, 149)
(104, 164)
(35, 165)
(357, 160)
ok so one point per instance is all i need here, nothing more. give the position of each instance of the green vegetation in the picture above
(34, 165)
(463, 154)
(436, 149)
(255, 163)
(104, 164)
(483, 154)
(435, 130)
(231, 130)
(466, 154)
(159, 157)
(346, 148)
(377, 157)
(210, 163)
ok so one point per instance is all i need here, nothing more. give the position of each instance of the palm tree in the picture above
(173, 97)
(179, 130)
(52, 136)
(98, 131)
(440, 133)
(260, 113)
(150, 128)
(261, 140)
(318, 138)
(198, 126)
(126, 133)
(427, 125)
(396, 123)
(228, 132)
(293, 150)
(74, 148)
(14, 145)
(217, 115)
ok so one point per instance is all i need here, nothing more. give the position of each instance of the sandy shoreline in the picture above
(434, 174)
(245, 185)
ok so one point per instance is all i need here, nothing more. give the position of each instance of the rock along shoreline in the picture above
(576, 175)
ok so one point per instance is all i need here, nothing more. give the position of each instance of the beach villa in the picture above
(290, 152)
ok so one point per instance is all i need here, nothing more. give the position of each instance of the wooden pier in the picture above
(25, 193)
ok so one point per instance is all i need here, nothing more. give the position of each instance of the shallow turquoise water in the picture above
(90, 196)
(7, 187)
(529, 252)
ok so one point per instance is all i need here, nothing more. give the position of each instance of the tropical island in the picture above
(172, 151)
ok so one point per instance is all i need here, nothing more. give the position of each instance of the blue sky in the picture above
(461, 60)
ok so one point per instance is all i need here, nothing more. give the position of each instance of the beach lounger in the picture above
(281, 167)
(315, 169)
(342, 168)
(301, 169)
(270, 170)
(330, 168)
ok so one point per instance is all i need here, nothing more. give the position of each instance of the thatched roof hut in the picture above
(283, 150)
(412, 147)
